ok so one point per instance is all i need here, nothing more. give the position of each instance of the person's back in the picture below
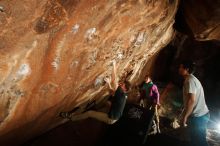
(118, 104)
(193, 85)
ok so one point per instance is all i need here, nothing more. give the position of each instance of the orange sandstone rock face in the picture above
(54, 55)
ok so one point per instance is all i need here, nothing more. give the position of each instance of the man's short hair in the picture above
(189, 65)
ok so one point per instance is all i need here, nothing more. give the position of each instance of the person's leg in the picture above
(193, 132)
(147, 105)
(152, 123)
(197, 129)
(203, 121)
(157, 119)
(94, 114)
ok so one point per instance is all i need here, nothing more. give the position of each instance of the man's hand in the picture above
(114, 63)
(183, 121)
(108, 80)
(114, 80)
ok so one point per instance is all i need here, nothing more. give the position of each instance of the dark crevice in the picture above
(180, 21)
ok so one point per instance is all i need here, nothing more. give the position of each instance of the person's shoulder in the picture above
(154, 86)
(193, 78)
(190, 78)
(118, 89)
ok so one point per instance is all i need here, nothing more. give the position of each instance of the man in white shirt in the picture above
(196, 113)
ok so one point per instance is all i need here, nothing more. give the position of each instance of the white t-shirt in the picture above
(193, 85)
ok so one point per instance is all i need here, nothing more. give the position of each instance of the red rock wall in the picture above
(54, 55)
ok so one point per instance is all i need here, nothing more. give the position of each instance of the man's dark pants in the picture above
(197, 128)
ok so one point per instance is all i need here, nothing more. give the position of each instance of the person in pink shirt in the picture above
(150, 100)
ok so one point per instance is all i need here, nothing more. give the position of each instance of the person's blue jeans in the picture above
(197, 127)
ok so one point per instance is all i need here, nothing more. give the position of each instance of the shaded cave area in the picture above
(164, 73)
(206, 57)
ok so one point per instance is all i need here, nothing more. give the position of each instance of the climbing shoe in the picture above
(65, 115)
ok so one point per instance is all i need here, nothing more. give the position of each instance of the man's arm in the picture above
(114, 76)
(108, 81)
(188, 107)
(156, 92)
(112, 80)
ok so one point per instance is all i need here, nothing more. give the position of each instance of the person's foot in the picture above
(65, 115)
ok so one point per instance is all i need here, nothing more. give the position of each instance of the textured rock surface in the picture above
(203, 18)
(54, 55)
(181, 47)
